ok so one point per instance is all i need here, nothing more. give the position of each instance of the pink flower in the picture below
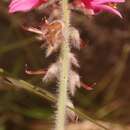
(96, 6)
(24, 5)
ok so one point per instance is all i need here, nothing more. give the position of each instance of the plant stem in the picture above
(64, 69)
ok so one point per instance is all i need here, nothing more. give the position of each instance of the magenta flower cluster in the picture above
(24, 5)
(97, 6)
(93, 6)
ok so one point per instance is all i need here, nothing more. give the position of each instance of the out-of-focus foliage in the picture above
(105, 60)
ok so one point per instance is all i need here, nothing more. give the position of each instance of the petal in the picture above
(87, 3)
(107, 1)
(23, 5)
(107, 9)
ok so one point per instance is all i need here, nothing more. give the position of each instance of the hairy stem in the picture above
(64, 69)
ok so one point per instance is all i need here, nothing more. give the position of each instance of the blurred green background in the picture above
(105, 60)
